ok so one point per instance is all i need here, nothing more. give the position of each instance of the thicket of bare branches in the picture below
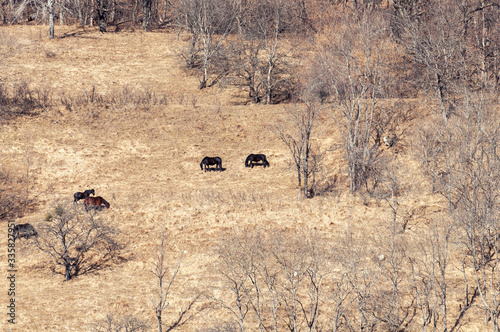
(118, 324)
(273, 280)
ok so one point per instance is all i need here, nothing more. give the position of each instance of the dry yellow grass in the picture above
(145, 162)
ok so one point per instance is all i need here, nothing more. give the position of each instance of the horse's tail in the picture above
(266, 163)
(105, 203)
(201, 165)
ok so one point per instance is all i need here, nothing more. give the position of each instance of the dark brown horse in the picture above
(95, 203)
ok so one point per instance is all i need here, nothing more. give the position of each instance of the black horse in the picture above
(253, 159)
(78, 195)
(208, 161)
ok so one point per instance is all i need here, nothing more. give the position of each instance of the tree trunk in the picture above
(50, 5)
(158, 316)
(146, 13)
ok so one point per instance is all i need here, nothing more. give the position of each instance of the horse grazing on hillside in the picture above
(96, 203)
(78, 195)
(254, 159)
(24, 230)
(208, 161)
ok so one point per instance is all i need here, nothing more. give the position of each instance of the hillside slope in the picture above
(145, 161)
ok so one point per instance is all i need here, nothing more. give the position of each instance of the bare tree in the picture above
(351, 61)
(78, 242)
(466, 150)
(430, 265)
(270, 25)
(296, 134)
(433, 34)
(276, 278)
(245, 54)
(235, 267)
(210, 23)
(361, 280)
(261, 55)
(165, 278)
(394, 305)
(478, 209)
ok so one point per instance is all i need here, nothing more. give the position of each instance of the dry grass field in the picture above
(145, 162)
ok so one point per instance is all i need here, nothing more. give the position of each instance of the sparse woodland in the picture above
(380, 121)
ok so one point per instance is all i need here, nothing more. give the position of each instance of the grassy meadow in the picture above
(143, 157)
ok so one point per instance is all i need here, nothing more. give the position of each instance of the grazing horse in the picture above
(95, 203)
(24, 230)
(253, 159)
(207, 161)
(78, 195)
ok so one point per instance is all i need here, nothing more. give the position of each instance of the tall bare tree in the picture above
(296, 132)
(165, 277)
(465, 150)
(351, 61)
(210, 23)
(478, 180)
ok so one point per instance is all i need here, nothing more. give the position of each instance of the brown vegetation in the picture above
(401, 236)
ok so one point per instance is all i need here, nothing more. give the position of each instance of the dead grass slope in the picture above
(145, 162)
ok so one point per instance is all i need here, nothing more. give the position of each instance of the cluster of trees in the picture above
(441, 279)
(280, 279)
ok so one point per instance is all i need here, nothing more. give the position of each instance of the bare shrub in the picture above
(223, 327)
(352, 65)
(296, 133)
(120, 324)
(22, 99)
(78, 242)
(123, 97)
(209, 23)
